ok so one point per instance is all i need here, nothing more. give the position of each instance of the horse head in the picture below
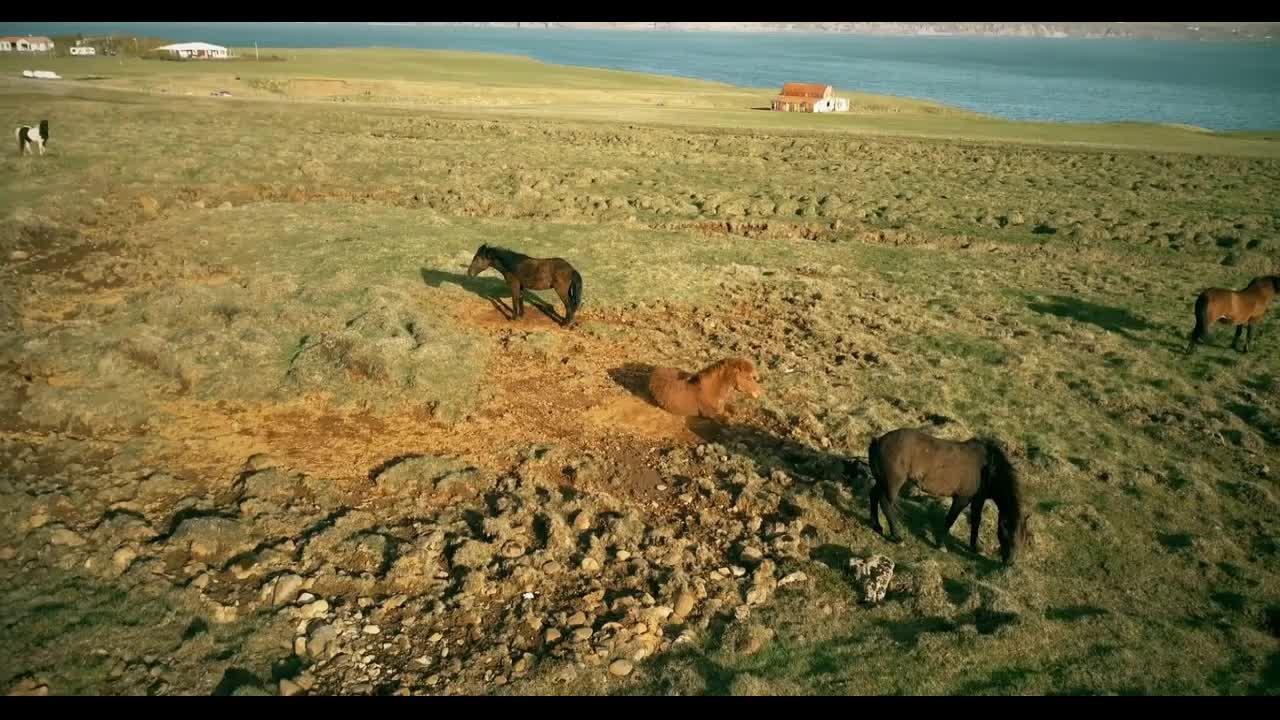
(1013, 529)
(744, 377)
(481, 262)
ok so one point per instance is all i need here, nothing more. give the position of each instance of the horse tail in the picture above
(873, 461)
(575, 294)
(1200, 332)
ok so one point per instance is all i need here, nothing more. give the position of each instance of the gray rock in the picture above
(873, 576)
(684, 604)
(314, 609)
(261, 461)
(322, 640)
(620, 667)
(65, 538)
(285, 589)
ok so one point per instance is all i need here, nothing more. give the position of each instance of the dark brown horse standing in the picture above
(526, 273)
(1243, 308)
(969, 472)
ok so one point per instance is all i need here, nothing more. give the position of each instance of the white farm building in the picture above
(25, 44)
(201, 50)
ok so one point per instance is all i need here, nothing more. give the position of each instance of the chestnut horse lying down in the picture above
(705, 393)
(974, 471)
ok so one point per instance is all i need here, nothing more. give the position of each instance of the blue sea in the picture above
(1217, 85)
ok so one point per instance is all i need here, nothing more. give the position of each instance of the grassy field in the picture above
(242, 361)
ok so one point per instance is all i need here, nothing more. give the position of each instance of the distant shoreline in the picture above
(1234, 32)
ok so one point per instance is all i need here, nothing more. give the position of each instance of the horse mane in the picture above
(1003, 475)
(720, 368)
(502, 257)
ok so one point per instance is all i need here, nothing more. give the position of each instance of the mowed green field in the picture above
(192, 281)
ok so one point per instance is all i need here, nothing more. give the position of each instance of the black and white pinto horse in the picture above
(28, 136)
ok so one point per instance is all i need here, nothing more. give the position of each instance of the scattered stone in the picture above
(224, 614)
(19, 255)
(306, 597)
(123, 558)
(794, 577)
(684, 605)
(285, 589)
(371, 630)
(65, 538)
(620, 667)
(289, 687)
(578, 618)
(323, 638)
(314, 609)
(873, 576)
(590, 564)
(261, 461)
(581, 634)
(8, 553)
(551, 636)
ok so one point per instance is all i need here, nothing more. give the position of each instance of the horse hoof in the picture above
(895, 539)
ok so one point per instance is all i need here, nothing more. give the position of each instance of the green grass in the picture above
(512, 86)
(1038, 289)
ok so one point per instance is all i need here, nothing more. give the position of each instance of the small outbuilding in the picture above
(84, 50)
(195, 50)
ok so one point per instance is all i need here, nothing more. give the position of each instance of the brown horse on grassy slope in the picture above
(528, 273)
(705, 393)
(969, 472)
(1244, 309)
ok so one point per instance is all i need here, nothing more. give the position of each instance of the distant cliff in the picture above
(1148, 30)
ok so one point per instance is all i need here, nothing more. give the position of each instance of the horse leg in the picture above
(891, 512)
(875, 509)
(958, 504)
(975, 522)
(1248, 336)
(1236, 339)
(564, 298)
(517, 300)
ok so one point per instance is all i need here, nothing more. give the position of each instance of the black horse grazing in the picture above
(974, 471)
(526, 273)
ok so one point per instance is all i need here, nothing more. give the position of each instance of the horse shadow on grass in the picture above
(1111, 319)
(495, 290)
